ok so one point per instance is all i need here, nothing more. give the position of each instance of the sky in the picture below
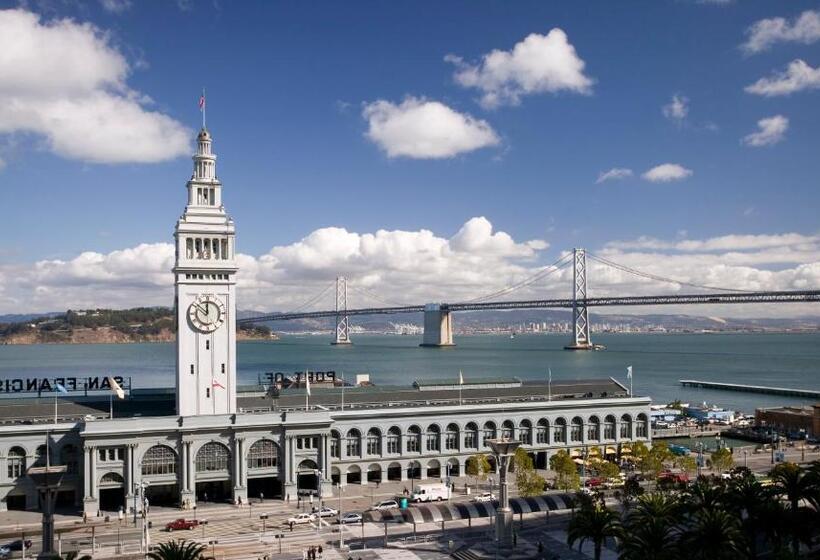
(429, 151)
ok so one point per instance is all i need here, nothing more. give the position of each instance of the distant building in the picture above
(709, 413)
(791, 419)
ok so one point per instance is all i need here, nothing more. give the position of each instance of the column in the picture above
(292, 461)
(129, 473)
(191, 468)
(550, 433)
(87, 490)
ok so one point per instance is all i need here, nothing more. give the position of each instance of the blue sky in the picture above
(289, 85)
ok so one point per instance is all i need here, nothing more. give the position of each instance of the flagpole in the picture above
(111, 405)
(55, 407)
(204, 104)
(549, 385)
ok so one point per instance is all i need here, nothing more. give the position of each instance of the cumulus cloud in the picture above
(538, 64)
(798, 76)
(804, 29)
(677, 109)
(65, 82)
(420, 266)
(613, 174)
(422, 129)
(770, 131)
(666, 172)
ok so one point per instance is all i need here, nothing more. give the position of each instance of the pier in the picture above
(804, 393)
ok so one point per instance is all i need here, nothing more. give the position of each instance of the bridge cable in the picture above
(369, 293)
(636, 272)
(561, 263)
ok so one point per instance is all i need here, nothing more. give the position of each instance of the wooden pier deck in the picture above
(786, 391)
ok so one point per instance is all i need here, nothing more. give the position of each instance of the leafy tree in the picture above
(593, 522)
(478, 466)
(722, 460)
(527, 480)
(177, 550)
(686, 463)
(608, 469)
(567, 477)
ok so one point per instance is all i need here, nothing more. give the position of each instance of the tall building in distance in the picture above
(205, 294)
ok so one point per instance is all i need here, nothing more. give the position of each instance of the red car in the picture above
(181, 525)
(594, 482)
(669, 476)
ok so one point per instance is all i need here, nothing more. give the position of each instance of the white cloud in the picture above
(667, 172)
(116, 6)
(66, 82)
(763, 34)
(798, 76)
(676, 109)
(771, 131)
(422, 129)
(420, 266)
(538, 64)
(614, 174)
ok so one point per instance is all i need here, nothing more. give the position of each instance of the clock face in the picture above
(207, 313)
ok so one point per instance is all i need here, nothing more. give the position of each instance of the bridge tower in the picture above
(580, 317)
(438, 326)
(342, 322)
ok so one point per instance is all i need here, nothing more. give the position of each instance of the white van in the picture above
(431, 492)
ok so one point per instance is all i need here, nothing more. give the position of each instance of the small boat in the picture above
(512, 335)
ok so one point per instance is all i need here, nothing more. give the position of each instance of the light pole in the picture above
(341, 531)
(264, 518)
(700, 457)
(503, 449)
(47, 479)
(745, 455)
(319, 492)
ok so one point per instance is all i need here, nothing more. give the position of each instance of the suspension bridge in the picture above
(438, 325)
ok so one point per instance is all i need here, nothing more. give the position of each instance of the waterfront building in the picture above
(210, 440)
(791, 419)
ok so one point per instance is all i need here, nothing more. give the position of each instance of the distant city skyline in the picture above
(427, 151)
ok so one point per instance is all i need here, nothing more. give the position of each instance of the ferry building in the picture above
(210, 439)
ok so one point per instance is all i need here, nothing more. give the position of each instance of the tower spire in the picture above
(202, 107)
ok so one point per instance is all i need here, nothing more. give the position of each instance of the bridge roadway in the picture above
(713, 298)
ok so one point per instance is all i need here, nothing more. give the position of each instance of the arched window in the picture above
(159, 460)
(433, 437)
(451, 437)
(16, 462)
(507, 429)
(374, 441)
(576, 431)
(594, 429)
(609, 427)
(542, 431)
(626, 426)
(394, 440)
(471, 436)
(213, 456)
(641, 426)
(263, 454)
(354, 443)
(68, 457)
(111, 480)
(525, 432)
(488, 432)
(335, 444)
(413, 439)
(559, 434)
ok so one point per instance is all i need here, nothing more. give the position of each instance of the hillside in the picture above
(104, 326)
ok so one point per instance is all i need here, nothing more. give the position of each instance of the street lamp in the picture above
(47, 480)
(264, 518)
(745, 454)
(503, 449)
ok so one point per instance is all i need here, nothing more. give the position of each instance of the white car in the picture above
(351, 517)
(301, 518)
(327, 512)
(385, 505)
(484, 497)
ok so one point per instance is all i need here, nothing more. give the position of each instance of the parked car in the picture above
(385, 505)
(351, 517)
(19, 544)
(5, 551)
(484, 497)
(327, 512)
(181, 525)
(677, 477)
(301, 518)
(594, 482)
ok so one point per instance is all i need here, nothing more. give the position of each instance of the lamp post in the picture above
(47, 480)
(745, 454)
(503, 449)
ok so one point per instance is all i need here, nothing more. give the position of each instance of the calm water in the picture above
(659, 361)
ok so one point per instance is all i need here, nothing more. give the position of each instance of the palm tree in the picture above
(649, 528)
(706, 493)
(712, 534)
(177, 550)
(748, 500)
(593, 522)
(795, 484)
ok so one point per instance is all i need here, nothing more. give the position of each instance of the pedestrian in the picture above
(405, 490)
(261, 497)
(85, 517)
(205, 497)
(320, 551)
(304, 554)
(120, 515)
(291, 526)
(287, 498)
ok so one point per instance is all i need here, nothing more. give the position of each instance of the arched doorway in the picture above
(354, 474)
(453, 467)
(433, 469)
(414, 470)
(263, 481)
(335, 475)
(307, 478)
(394, 471)
(374, 473)
(112, 492)
(213, 473)
(159, 471)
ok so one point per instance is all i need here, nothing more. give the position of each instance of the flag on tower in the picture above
(202, 101)
(629, 372)
(215, 383)
(460, 378)
(115, 388)
(307, 383)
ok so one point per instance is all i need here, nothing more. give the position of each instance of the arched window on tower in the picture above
(216, 245)
(198, 247)
(224, 248)
(189, 248)
(206, 253)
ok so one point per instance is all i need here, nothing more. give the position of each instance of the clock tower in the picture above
(205, 294)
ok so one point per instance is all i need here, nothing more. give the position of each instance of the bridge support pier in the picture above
(580, 317)
(438, 326)
(342, 336)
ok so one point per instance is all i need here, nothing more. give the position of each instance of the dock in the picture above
(786, 391)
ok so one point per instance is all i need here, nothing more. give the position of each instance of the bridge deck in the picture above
(807, 393)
